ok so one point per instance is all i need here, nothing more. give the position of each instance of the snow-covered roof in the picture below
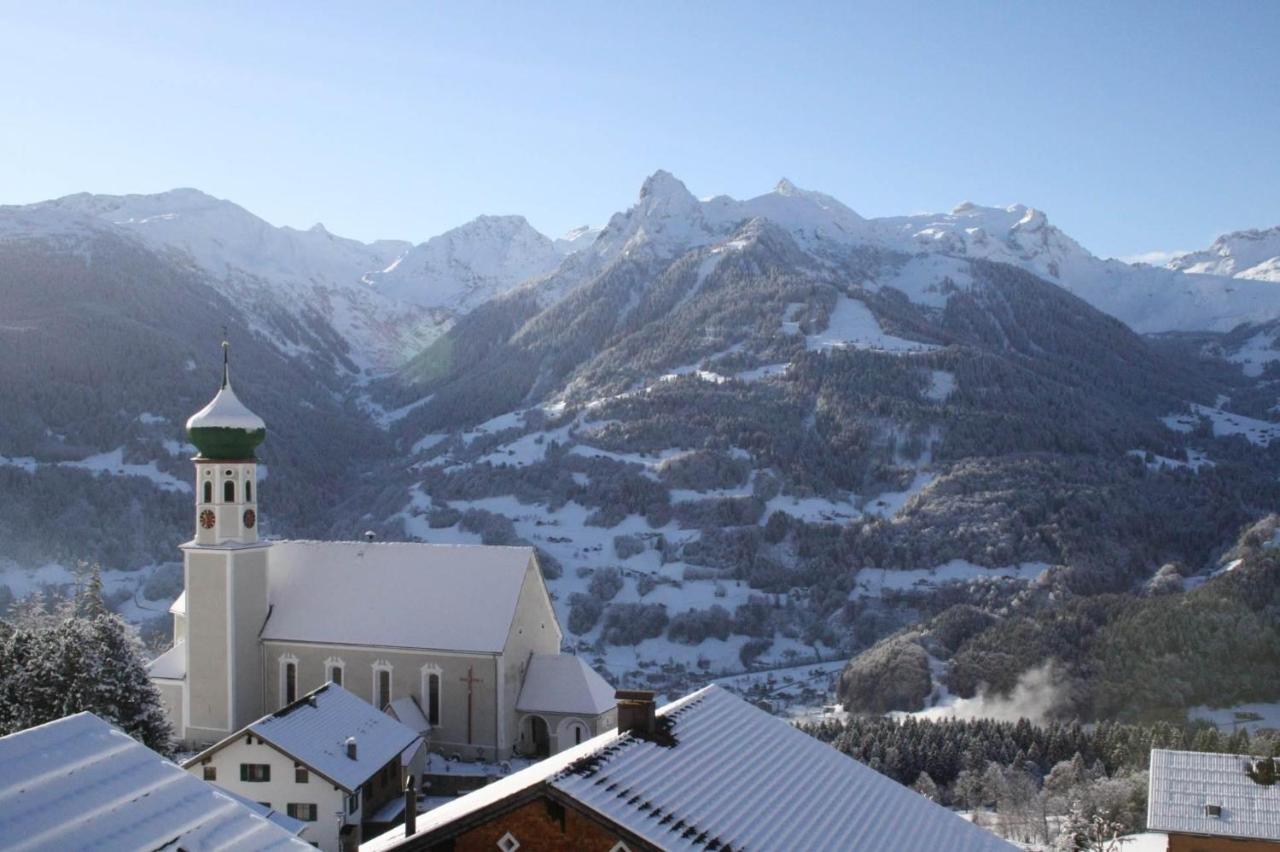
(288, 823)
(406, 711)
(314, 730)
(454, 597)
(79, 783)
(172, 664)
(562, 683)
(1184, 783)
(225, 411)
(730, 773)
(179, 605)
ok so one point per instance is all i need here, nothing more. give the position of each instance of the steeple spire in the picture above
(226, 348)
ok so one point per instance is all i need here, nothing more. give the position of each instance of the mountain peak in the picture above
(664, 185)
(785, 187)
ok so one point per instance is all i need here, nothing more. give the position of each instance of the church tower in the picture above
(225, 568)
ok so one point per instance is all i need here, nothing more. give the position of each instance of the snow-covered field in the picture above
(873, 582)
(111, 462)
(853, 325)
(1249, 716)
(1225, 423)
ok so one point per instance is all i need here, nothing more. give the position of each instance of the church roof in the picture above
(449, 597)
(172, 664)
(726, 775)
(79, 783)
(406, 711)
(563, 683)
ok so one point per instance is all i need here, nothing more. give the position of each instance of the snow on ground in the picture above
(1250, 716)
(1225, 423)
(942, 383)
(765, 372)
(111, 462)
(510, 420)
(428, 441)
(873, 582)
(822, 509)
(852, 325)
(648, 460)
(1196, 459)
(929, 279)
(1256, 353)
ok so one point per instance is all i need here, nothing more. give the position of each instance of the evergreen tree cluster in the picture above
(78, 657)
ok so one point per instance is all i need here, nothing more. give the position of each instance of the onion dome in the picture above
(226, 429)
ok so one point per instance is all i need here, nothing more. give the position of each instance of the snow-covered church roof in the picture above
(727, 775)
(563, 683)
(394, 594)
(79, 783)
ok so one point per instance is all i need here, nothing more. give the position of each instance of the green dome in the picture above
(226, 429)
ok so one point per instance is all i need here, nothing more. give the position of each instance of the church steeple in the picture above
(226, 433)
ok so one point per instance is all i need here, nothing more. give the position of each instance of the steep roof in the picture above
(406, 711)
(172, 664)
(730, 773)
(562, 683)
(79, 783)
(395, 594)
(314, 729)
(1184, 782)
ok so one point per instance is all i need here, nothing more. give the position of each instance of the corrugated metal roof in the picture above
(395, 594)
(172, 664)
(1184, 782)
(314, 730)
(79, 783)
(563, 683)
(735, 774)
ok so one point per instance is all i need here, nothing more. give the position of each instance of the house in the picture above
(81, 783)
(328, 759)
(707, 772)
(1214, 802)
(456, 628)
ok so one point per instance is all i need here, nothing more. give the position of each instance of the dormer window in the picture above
(1213, 810)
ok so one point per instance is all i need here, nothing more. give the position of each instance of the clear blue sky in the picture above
(1136, 126)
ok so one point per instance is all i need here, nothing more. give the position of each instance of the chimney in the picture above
(351, 747)
(370, 535)
(636, 712)
(410, 808)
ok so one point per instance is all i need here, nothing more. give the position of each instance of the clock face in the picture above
(207, 519)
(250, 518)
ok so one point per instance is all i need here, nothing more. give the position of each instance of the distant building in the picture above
(1214, 802)
(80, 783)
(328, 759)
(707, 772)
(466, 632)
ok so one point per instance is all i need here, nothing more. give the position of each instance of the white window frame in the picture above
(381, 666)
(285, 660)
(338, 663)
(508, 843)
(425, 674)
(620, 847)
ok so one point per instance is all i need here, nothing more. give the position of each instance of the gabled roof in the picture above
(562, 683)
(1184, 782)
(79, 783)
(731, 773)
(179, 605)
(314, 729)
(406, 711)
(172, 664)
(394, 594)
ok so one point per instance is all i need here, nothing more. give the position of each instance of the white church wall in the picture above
(206, 584)
(534, 630)
(248, 612)
(282, 789)
(171, 699)
(450, 735)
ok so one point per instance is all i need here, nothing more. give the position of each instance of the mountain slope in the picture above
(1253, 254)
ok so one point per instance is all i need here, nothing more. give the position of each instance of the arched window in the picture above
(381, 684)
(288, 679)
(208, 491)
(248, 491)
(335, 667)
(229, 491)
(433, 698)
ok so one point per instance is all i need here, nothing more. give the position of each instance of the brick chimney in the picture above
(351, 747)
(636, 712)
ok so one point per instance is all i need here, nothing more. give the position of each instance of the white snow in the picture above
(1241, 254)
(1256, 352)
(768, 371)
(225, 411)
(852, 325)
(110, 462)
(1225, 423)
(1196, 459)
(942, 383)
(873, 582)
(1252, 717)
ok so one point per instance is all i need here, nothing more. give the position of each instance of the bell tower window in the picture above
(208, 491)
(248, 491)
(228, 492)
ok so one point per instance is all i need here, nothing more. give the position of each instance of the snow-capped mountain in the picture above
(1241, 254)
(470, 264)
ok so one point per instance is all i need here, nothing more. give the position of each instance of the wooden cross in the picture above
(470, 680)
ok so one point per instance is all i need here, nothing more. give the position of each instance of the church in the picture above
(460, 642)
